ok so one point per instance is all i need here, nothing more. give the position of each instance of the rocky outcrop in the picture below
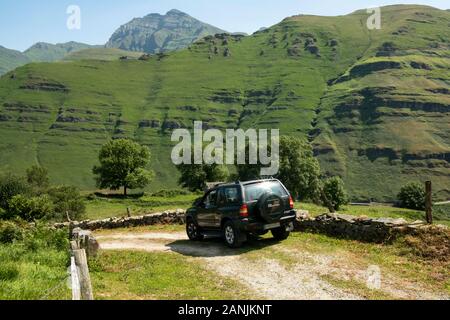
(149, 124)
(171, 125)
(45, 86)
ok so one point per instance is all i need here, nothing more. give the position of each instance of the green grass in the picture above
(103, 54)
(101, 208)
(365, 122)
(158, 276)
(35, 268)
(441, 212)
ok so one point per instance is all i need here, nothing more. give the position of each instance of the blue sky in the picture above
(25, 22)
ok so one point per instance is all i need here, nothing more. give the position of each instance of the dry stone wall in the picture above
(167, 217)
(378, 230)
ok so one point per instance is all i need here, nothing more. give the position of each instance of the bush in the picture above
(10, 232)
(170, 193)
(30, 209)
(10, 186)
(42, 237)
(334, 192)
(38, 177)
(67, 199)
(412, 196)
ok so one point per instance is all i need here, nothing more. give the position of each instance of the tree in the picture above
(195, 176)
(412, 196)
(67, 199)
(299, 170)
(247, 171)
(10, 186)
(334, 193)
(38, 177)
(122, 164)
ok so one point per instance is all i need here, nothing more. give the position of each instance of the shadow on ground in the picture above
(215, 247)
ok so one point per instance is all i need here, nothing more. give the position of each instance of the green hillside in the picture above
(47, 52)
(11, 59)
(105, 54)
(375, 104)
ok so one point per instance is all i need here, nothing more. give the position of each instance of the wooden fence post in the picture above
(429, 202)
(84, 277)
(76, 292)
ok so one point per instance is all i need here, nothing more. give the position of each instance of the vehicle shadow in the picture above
(215, 247)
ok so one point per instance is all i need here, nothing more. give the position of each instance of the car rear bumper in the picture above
(258, 226)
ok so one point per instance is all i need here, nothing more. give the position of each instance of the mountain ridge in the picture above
(155, 33)
(374, 103)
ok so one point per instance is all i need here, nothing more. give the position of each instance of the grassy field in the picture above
(104, 207)
(328, 79)
(35, 268)
(143, 275)
(152, 276)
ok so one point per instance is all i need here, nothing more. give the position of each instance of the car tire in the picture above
(193, 231)
(280, 233)
(231, 235)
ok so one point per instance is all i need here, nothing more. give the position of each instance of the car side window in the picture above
(211, 199)
(231, 195)
(221, 198)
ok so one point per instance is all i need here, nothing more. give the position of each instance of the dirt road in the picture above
(264, 274)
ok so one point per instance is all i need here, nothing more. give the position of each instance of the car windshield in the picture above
(254, 191)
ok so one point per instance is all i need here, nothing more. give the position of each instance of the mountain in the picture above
(159, 33)
(47, 52)
(375, 104)
(11, 59)
(39, 52)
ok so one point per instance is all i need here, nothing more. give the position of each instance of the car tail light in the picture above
(291, 202)
(243, 212)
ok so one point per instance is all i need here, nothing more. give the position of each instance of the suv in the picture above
(235, 210)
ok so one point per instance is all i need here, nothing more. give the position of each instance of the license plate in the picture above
(272, 226)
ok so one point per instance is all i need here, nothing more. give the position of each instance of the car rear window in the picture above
(254, 191)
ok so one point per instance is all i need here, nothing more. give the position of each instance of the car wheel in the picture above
(193, 231)
(231, 235)
(280, 233)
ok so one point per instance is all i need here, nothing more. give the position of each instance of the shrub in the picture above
(10, 232)
(30, 209)
(38, 177)
(8, 272)
(412, 196)
(334, 192)
(42, 237)
(170, 193)
(10, 186)
(67, 199)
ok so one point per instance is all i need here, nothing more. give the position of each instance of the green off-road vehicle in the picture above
(235, 210)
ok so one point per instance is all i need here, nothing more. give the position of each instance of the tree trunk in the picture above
(125, 191)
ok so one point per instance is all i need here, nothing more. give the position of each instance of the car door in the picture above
(229, 203)
(206, 211)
